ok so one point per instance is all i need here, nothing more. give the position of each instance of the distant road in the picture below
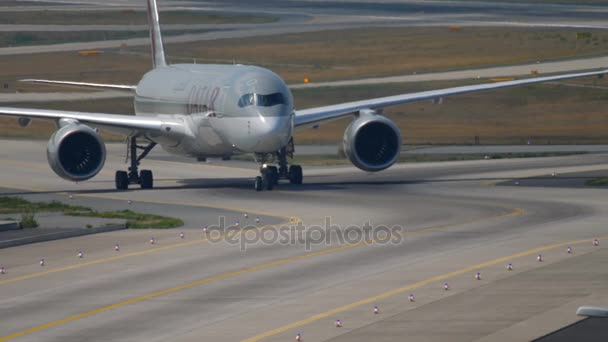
(309, 16)
(483, 73)
(80, 28)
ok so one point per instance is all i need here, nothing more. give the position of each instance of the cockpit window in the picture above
(261, 100)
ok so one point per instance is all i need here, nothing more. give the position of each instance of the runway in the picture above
(456, 220)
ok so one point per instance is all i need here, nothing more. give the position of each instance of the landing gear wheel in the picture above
(273, 174)
(146, 179)
(258, 184)
(143, 178)
(295, 174)
(122, 180)
(268, 180)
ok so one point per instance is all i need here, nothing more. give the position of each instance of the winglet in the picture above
(156, 38)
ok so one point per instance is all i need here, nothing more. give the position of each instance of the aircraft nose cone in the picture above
(273, 133)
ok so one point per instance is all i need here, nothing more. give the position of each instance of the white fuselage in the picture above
(227, 109)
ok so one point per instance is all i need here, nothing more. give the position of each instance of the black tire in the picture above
(295, 174)
(258, 184)
(268, 181)
(273, 174)
(146, 179)
(121, 180)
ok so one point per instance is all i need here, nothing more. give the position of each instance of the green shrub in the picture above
(28, 219)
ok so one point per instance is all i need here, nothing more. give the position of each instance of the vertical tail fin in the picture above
(156, 38)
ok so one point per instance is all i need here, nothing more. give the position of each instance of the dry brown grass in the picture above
(322, 56)
(545, 113)
(553, 114)
(44, 129)
(347, 54)
(548, 113)
(106, 68)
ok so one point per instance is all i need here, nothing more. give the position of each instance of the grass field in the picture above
(127, 17)
(549, 113)
(543, 114)
(134, 220)
(322, 56)
(602, 181)
(368, 52)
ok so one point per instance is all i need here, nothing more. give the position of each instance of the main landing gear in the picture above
(270, 174)
(144, 177)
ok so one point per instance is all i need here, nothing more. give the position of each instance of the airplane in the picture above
(217, 111)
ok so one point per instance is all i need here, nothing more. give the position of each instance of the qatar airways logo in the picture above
(299, 234)
(203, 99)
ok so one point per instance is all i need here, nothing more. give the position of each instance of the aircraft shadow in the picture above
(313, 184)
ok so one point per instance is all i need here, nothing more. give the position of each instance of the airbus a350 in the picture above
(217, 111)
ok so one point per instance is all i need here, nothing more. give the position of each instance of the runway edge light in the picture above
(2, 270)
(569, 250)
(539, 258)
(181, 235)
(117, 247)
(376, 310)
(596, 242)
(412, 298)
(478, 276)
(80, 254)
(299, 337)
(510, 267)
(338, 323)
(42, 262)
(446, 286)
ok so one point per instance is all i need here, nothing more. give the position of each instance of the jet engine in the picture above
(76, 152)
(372, 142)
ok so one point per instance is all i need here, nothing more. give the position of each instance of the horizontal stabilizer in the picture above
(83, 84)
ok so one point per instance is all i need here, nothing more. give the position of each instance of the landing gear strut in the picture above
(270, 174)
(144, 177)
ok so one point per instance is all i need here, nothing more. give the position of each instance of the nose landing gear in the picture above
(268, 179)
(270, 174)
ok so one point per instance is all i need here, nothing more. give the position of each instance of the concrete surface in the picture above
(529, 294)
(9, 225)
(455, 223)
(35, 235)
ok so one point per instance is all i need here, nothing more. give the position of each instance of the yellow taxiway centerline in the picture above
(292, 220)
(407, 288)
(515, 212)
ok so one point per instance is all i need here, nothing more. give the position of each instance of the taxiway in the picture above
(456, 220)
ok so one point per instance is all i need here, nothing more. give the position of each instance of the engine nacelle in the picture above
(76, 152)
(372, 142)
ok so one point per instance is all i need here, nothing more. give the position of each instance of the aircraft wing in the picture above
(83, 84)
(310, 117)
(122, 124)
